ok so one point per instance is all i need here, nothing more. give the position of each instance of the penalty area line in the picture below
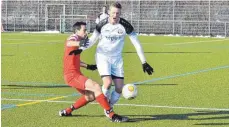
(133, 105)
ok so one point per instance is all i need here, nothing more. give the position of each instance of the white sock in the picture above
(114, 98)
(106, 92)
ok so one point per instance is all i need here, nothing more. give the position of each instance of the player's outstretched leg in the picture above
(88, 96)
(65, 112)
(82, 101)
(102, 100)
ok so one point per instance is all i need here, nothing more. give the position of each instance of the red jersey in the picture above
(71, 62)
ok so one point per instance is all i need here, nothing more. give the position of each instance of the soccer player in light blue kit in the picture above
(109, 51)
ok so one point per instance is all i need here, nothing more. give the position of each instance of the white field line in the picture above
(150, 43)
(21, 39)
(134, 105)
(192, 42)
(34, 42)
(30, 41)
(18, 39)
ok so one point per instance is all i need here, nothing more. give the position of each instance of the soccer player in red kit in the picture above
(89, 89)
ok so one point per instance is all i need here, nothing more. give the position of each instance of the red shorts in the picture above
(77, 81)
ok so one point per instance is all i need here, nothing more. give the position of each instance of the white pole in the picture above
(38, 16)
(72, 13)
(14, 22)
(209, 18)
(131, 14)
(60, 24)
(139, 5)
(225, 29)
(46, 10)
(64, 17)
(72, 9)
(173, 15)
(6, 15)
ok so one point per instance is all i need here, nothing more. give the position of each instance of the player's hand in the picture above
(84, 42)
(147, 68)
(75, 52)
(91, 67)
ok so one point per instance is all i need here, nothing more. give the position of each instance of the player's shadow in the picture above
(140, 118)
(187, 116)
(171, 52)
(32, 86)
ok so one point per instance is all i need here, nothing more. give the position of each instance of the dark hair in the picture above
(77, 26)
(104, 6)
(117, 5)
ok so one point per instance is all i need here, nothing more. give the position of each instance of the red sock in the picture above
(78, 104)
(68, 110)
(102, 100)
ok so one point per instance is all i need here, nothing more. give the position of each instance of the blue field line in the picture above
(7, 106)
(137, 83)
(181, 75)
(37, 94)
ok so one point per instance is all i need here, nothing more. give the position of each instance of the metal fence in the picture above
(194, 17)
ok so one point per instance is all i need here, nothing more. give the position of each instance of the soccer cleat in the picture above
(64, 113)
(118, 118)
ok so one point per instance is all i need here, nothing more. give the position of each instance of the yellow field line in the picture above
(35, 102)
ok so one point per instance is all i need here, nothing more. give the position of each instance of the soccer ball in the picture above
(129, 91)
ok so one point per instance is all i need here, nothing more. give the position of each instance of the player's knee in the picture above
(107, 81)
(90, 97)
(97, 87)
(118, 89)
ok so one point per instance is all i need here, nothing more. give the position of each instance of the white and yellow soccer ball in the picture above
(129, 91)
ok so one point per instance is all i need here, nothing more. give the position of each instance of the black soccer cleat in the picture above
(118, 118)
(64, 113)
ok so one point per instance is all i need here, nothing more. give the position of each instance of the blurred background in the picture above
(194, 17)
